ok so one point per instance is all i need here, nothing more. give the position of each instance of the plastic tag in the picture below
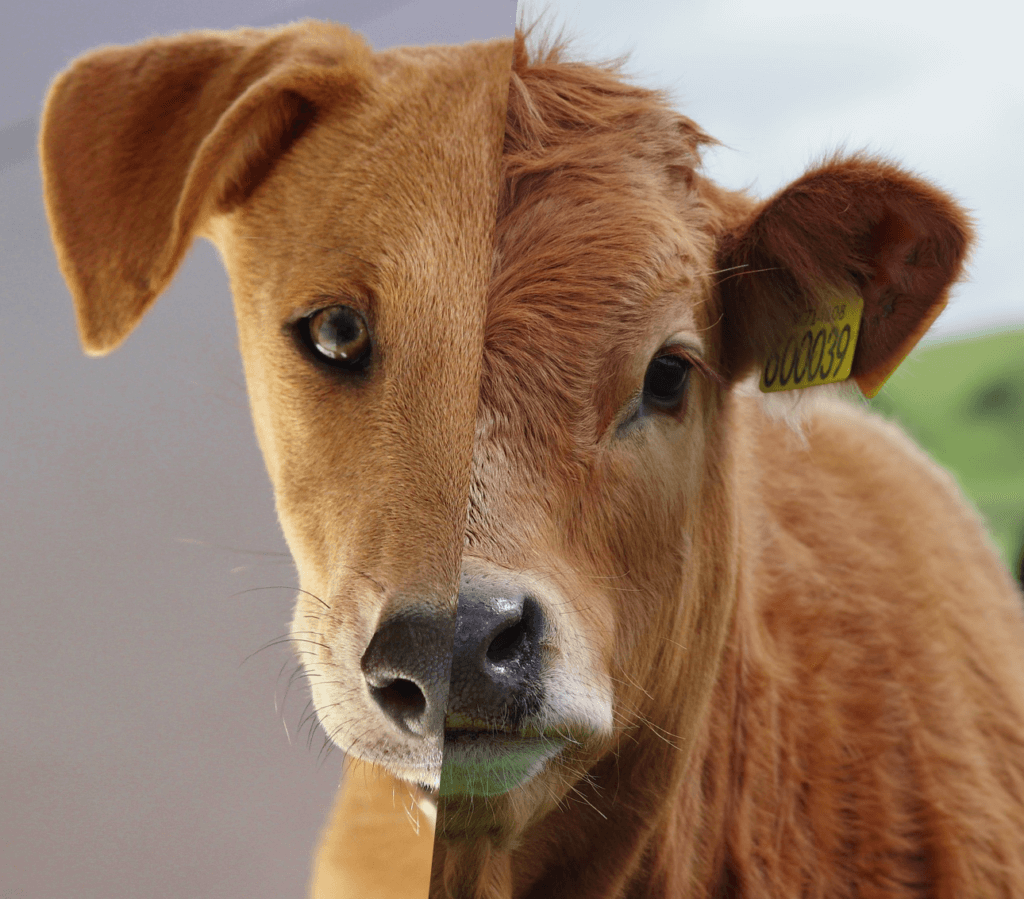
(817, 349)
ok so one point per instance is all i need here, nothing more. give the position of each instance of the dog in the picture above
(143, 148)
(565, 576)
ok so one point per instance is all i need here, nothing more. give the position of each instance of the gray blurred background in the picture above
(141, 753)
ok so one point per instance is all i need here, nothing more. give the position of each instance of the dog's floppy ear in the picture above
(855, 225)
(140, 145)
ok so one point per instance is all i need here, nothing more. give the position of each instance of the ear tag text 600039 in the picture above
(817, 348)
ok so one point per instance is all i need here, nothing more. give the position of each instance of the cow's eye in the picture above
(339, 336)
(665, 381)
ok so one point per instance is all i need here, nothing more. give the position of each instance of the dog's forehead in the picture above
(394, 192)
(388, 206)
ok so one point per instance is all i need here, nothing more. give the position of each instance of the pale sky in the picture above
(938, 87)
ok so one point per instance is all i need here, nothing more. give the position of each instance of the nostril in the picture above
(406, 669)
(519, 639)
(496, 657)
(401, 699)
(508, 644)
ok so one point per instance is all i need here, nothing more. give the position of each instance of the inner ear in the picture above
(856, 225)
(266, 136)
(904, 267)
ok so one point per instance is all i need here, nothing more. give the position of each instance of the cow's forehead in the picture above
(602, 252)
(594, 261)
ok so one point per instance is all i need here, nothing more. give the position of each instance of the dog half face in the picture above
(359, 271)
(352, 196)
(491, 315)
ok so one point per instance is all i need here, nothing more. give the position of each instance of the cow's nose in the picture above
(406, 668)
(496, 659)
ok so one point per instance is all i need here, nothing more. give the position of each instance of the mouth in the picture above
(490, 763)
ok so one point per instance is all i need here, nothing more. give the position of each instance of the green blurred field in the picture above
(963, 401)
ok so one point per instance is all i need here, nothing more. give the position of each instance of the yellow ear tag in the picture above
(817, 349)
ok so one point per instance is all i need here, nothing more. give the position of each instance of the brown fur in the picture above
(787, 662)
(377, 842)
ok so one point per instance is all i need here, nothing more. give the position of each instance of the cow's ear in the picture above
(140, 145)
(854, 225)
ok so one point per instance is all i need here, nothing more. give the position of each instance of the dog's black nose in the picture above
(406, 668)
(496, 659)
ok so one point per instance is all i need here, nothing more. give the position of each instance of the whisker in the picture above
(192, 541)
(283, 587)
(753, 271)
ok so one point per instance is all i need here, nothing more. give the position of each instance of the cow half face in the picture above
(630, 296)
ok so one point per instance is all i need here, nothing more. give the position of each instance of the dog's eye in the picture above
(339, 335)
(665, 381)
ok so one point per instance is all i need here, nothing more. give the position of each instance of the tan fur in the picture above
(782, 663)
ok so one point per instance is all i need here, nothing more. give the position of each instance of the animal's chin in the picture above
(418, 763)
(491, 763)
